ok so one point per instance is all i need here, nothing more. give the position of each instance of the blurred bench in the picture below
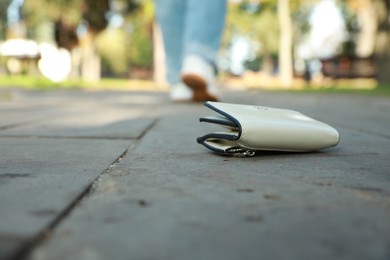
(19, 55)
(349, 67)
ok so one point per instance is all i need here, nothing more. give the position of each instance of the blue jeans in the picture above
(190, 27)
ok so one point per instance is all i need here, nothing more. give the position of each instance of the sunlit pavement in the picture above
(119, 175)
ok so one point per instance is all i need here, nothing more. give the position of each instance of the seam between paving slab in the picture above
(25, 250)
(65, 137)
(23, 123)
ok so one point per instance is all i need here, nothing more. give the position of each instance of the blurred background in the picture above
(284, 44)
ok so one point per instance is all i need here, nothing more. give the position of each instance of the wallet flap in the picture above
(219, 120)
(219, 142)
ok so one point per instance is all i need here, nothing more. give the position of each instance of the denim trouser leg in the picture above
(204, 27)
(170, 15)
(190, 27)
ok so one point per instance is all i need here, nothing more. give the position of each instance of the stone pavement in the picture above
(119, 175)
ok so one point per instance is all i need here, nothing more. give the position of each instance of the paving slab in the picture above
(64, 194)
(53, 146)
(170, 198)
(77, 114)
(39, 178)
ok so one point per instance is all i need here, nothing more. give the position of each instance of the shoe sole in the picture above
(199, 87)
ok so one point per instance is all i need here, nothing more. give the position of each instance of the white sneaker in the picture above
(181, 93)
(199, 75)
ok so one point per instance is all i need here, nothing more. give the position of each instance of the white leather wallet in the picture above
(252, 128)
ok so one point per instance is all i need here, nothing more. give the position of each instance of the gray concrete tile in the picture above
(79, 114)
(53, 144)
(170, 198)
(39, 178)
(101, 126)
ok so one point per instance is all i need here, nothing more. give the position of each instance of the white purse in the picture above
(252, 128)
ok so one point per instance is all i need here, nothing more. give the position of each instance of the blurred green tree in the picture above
(382, 50)
(257, 23)
(129, 47)
(141, 43)
(80, 23)
(65, 15)
(3, 18)
(276, 25)
(268, 22)
(112, 45)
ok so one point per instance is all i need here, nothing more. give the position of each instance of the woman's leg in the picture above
(204, 24)
(171, 17)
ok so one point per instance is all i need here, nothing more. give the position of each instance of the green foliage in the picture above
(44, 84)
(94, 13)
(120, 48)
(70, 12)
(65, 14)
(131, 45)
(140, 52)
(3, 17)
(261, 26)
(112, 46)
(141, 46)
(33, 82)
(54, 10)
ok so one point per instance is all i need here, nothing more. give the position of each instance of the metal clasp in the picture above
(240, 152)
